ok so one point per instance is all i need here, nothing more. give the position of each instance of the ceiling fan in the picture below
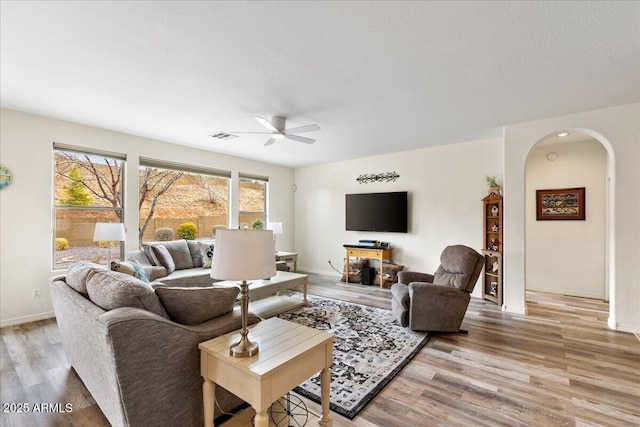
(278, 131)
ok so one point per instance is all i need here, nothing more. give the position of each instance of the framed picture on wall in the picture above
(560, 204)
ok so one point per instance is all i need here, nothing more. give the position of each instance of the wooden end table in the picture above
(289, 355)
(288, 257)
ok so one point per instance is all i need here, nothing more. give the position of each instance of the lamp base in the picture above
(243, 348)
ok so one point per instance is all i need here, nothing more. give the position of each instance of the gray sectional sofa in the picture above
(190, 260)
(141, 367)
(187, 258)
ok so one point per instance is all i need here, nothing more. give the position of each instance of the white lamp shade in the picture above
(243, 255)
(109, 232)
(276, 227)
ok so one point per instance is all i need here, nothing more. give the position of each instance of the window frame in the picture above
(148, 162)
(251, 178)
(55, 207)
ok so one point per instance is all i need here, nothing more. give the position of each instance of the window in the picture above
(87, 189)
(172, 194)
(252, 199)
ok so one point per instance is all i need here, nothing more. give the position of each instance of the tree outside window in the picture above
(87, 190)
(173, 201)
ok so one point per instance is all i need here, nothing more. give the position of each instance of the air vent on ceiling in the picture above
(223, 135)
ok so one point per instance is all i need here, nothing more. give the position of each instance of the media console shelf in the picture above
(373, 252)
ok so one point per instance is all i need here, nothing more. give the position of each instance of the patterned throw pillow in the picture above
(132, 268)
(207, 253)
(355, 269)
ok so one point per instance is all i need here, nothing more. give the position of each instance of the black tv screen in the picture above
(377, 212)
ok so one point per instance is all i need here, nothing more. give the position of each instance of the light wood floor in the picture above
(559, 365)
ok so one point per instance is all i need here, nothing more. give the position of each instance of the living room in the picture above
(446, 183)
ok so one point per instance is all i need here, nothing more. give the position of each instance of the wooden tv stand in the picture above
(373, 252)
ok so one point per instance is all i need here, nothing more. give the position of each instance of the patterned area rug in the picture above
(370, 348)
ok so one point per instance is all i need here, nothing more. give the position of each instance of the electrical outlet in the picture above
(35, 294)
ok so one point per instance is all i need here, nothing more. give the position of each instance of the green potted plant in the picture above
(257, 224)
(494, 187)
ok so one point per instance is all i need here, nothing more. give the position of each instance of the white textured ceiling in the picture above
(377, 77)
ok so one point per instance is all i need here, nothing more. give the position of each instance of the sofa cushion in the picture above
(193, 277)
(191, 306)
(155, 272)
(164, 258)
(111, 289)
(79, 272)
(139, 257)
(132, 268)
(206, 249)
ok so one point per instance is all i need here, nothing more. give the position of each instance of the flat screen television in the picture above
(384, 212)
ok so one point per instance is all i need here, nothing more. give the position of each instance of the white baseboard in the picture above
(26, 319)
(568, 293)
(322, 272)
(623, 327)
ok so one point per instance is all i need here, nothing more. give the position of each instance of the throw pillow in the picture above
(207, 253)
(389, 275)
(190, 306)
(355, 269)
(180, 253)
(132, 268)
(195, 252)
(146, 248)
(78, 274)
(164, 258)
(111, 289)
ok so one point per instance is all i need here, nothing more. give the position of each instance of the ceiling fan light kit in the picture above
(277, 130)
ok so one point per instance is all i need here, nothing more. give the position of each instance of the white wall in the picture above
(446, 185)
(567, 257)
(618, 129)
(26, 205)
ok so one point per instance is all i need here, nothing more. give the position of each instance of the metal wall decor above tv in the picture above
(380, 212)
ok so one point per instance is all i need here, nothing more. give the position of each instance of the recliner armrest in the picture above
(407, 277)
(418, 289)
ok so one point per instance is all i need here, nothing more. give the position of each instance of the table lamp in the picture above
(109, 232)
(276, 227)
(243, 255)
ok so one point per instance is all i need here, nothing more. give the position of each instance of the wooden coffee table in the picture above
(263, 300)
(289, 355)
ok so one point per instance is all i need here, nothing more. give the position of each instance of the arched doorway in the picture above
(567, 256)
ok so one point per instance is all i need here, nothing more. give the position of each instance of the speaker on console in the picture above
(368, 275)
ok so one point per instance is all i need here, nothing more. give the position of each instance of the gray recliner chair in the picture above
(438, 302)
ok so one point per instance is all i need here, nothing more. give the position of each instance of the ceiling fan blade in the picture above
(270, 141)
(266, 123)
(299, 138)
(302, 129)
